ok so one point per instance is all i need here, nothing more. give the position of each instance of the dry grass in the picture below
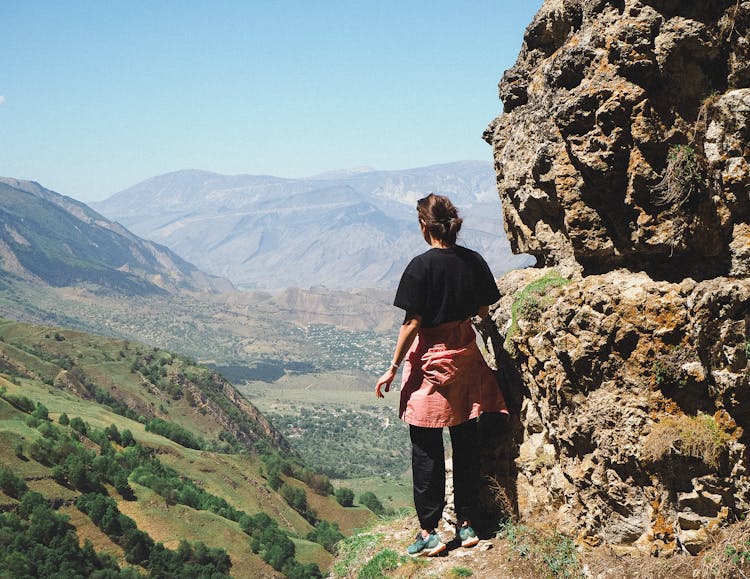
(88, 531)
(500, 498)
(682, 178)
(694, 436)
(729, 557)
(604, 563)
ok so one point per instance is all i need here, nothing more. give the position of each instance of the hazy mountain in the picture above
(345, 229)
(46, 237)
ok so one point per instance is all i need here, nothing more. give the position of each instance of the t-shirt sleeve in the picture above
(412, 291)
(488, 291)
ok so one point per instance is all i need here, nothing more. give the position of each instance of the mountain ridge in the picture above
(55, 239)
(344, 231)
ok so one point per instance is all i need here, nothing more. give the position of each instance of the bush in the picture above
(12, 485)
(682, 177)
(529, 302)
(296, 497)
(326, 534)
(175, 432)
(372, 502)
(551, 554)
(78, 425)
(21, 402)
(345, 497)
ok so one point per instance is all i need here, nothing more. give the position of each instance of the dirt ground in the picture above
(496, 557)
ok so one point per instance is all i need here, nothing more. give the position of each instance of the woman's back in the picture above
(446, 285)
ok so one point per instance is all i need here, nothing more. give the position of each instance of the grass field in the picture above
(170, 524)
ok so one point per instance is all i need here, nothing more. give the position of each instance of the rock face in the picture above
(623, 165)
(603, 95)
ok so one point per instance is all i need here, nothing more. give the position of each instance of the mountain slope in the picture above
(49, 238)
(85, 419)
(337, 230)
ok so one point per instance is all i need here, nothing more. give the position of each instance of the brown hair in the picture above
(440, 218)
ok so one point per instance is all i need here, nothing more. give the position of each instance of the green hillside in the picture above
(147, 463)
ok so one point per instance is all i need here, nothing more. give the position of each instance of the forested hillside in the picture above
(119, 459)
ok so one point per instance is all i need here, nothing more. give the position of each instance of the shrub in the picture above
(326, 534)
(175, 432)
(345, 497)
(695, 436)
(371, 501)
(529, 303)
(78, 425)
(552, 555)
(682, 177)
(12, 485)
(21, 402)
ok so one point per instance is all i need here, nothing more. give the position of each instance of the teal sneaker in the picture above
(468, 536)
(426, 547)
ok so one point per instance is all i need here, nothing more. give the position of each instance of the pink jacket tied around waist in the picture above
(446, 380)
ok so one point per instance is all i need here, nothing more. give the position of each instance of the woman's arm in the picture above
(406, 336)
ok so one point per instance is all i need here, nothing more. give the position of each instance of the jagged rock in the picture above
(694, 540)
(609, 357)
(599, 97)
(622, 161)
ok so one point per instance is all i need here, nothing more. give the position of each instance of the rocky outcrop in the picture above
(607, 361)
(623, 166)
(624, 137)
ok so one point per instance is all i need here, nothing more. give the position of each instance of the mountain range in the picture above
(49, 238)
(342, 230)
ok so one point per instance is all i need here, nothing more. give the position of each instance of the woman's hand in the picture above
(406, 335)
(384, 383)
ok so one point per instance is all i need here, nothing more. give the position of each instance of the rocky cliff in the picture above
(623, 166)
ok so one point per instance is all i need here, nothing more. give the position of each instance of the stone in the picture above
(694, 541)
(623, 164)
(593, 111)
(690, 521)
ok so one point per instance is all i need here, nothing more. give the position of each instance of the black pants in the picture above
(428, 470)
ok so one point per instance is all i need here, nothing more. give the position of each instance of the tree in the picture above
(345, 497)
(113, 434)
(78, 425)
(12, 485)
(40, 412)
(64, 420)
(126, 438)
(326, 534)
(372, 502)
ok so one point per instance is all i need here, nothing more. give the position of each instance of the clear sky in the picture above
(96, 96)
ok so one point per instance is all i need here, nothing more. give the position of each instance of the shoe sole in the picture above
(470, 542)
(430, 552)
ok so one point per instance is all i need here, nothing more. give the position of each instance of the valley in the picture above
(246, 409)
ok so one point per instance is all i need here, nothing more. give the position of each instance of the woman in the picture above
(445, 381)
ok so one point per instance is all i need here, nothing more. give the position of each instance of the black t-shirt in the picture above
(446, 285)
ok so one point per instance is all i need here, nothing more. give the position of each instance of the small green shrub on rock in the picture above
(530, 302)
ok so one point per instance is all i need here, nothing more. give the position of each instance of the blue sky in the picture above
(97, 96)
